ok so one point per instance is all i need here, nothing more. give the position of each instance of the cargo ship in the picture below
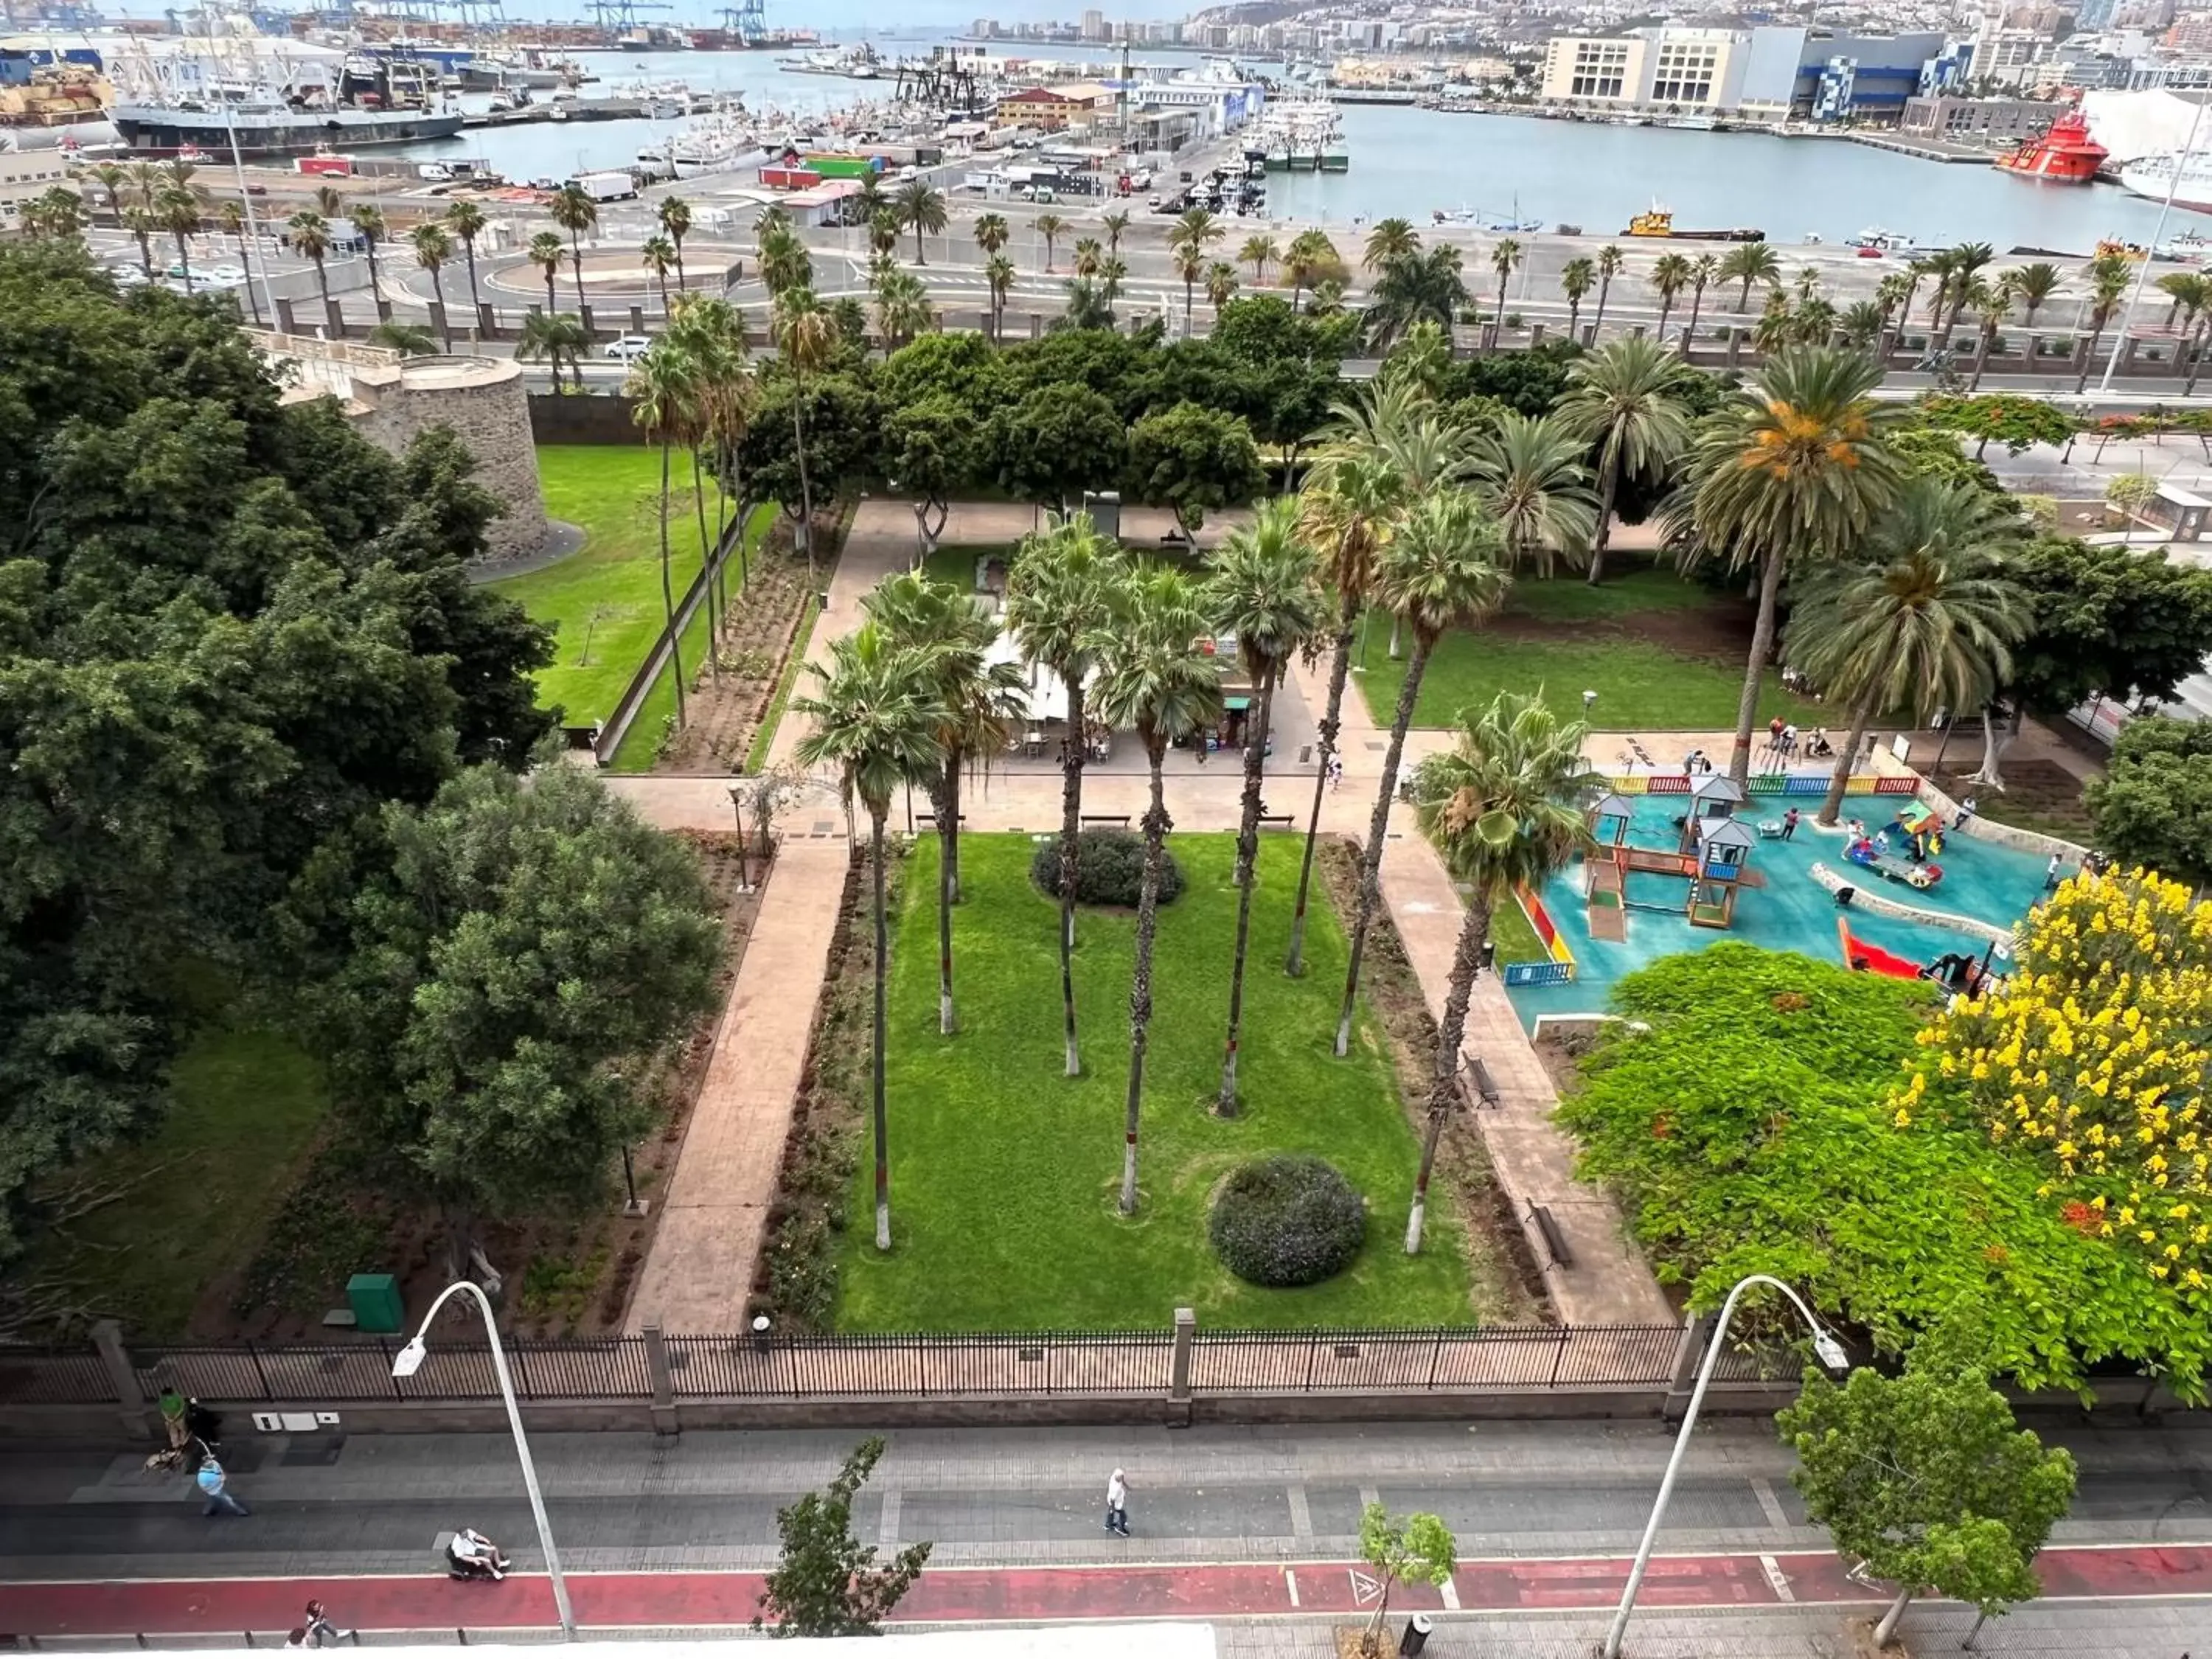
(1660, 223)
(272, 129)
(2064, 154)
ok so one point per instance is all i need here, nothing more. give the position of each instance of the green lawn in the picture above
(1005, 1173)
(606, 599)
(1516, 940)
(199, 1190)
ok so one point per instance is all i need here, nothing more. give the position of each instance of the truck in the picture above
(605, 186)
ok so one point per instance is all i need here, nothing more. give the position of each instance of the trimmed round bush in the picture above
(1285, 1220)
(1109, 868)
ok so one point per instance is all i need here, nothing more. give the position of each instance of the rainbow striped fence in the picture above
(1768, 783)
(1560, 968)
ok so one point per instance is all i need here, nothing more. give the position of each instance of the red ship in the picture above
(2066, 152)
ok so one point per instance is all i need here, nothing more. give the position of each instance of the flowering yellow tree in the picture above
(2092, 1061)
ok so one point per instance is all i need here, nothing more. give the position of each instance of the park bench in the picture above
(1555, 1242)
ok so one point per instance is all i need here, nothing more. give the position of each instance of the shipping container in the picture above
(605, 186)
(789, 178)
(844, 166)
(325, 167)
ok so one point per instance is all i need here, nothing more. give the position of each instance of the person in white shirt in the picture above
(1117, 1505)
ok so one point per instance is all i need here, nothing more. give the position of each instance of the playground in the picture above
(1649, 889)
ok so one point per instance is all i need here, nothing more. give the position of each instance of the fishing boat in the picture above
(2065, 152)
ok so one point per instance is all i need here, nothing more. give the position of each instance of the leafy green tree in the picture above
(1626, 399)
(1154, 680)
(1505, 807)
(2153, 805)
(1418, 1550)
(934, 449)
(1442, 569)
(806, 339)
(826, 1582)
(491, 993)
(1190, 457)
(1531, 474)
(1927, 1478)
(2017, 423)
(1058, 441)
(876, 719)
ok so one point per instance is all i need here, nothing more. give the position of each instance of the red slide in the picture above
(1872, 958)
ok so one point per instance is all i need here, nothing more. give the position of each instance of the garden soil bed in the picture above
(564, 1276)
(1717, 631)
(2038, 794)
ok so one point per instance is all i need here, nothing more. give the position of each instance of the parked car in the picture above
(225, 276)
(628, 348)
(127, 275)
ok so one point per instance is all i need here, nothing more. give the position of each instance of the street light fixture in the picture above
(409, 1360)
(1831, 1356)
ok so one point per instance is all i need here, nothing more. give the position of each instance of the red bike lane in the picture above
(1105, 1592)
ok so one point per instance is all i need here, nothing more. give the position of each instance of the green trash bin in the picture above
(376, 1301)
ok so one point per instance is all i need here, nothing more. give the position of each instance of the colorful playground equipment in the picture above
(1920, 832)
(1959, 971)
(1714, 857)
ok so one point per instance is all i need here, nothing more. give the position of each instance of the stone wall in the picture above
(568, 418)
(484, 402)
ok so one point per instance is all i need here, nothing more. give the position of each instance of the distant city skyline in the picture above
(841, 15)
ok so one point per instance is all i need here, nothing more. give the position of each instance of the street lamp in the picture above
(1831, 1355)
(409, 1360)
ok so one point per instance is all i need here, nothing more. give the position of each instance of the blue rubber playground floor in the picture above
(1791, 912)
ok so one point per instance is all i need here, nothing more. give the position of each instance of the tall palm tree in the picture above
(1703, 271)
(902, 309)
(1155, 681)
(1089, 254)
(230, 216)
(1308, 260)
(674, 215)
(1577, 278)
(922, 209)
(978, 702)
(1196, 229)
(112, 177)
(990, 233)
(546, 251)
(876, 719)
(1670, 274)
(433, 248)
(2032, 285)
(1891, 291)
(1221, 283)
(807, 338)
(1116, 226)
(1862, 325)
(664, 393)
(2108, 285)
(998, 277)
(1189, 265)
(658, 255)
(1625, 399)
(1777, 326)
(1264, 588)
(784, 262)
(1504, 807)
(140, 223)
(1967, 260)
(368, 219)
(1994, 303)
(179, 210)
(1440, 569)
(573, 210)
(1532, 474)
(311, 235)
(1068, 589)
(1391, 239)
(1049, 226)
(1794, 468)
(328, 202)
(1814, 322)
(1504, 259)
(1416, 288)
(408, 339)
(1610, 262)
(1747, 262)
(556, 339)
(1926, 619)
(1259, 253)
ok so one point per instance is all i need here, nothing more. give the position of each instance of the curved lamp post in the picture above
(409, 1360)
(1831, 1355)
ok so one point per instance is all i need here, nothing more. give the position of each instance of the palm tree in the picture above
(658, 255)
(1925, 620)
(1221, 283)
(1116, 226)
(1263, 589)
(806, 336)
(1891, 291)
(369, 219)
(1087, 306)
(1703, 271)
(179, 211)
(328, 202)
(978, 702)
(1049, 226)
(922, 209)
(2032, 285)
(231, 217)
(1747, 262)
(142, 224)
(1531, 473)
(1577, 278)
(990, 233)
(876, 719)
(112, 178)
(433, 248)
(1189, 265)
(1089, 254)
(1776, 327)
(2108, 286)
(785, 263)
(1503, 806)
(1155, 679)
(1066, 591)
(1994, 302)
(1113, 272)
(408, 339)
(546, 251)
(1391, 239)
(1259, 253)
(674, 213)
(556, 339)
(1623, 398)
(868, 200)
(1197, 229)
(1611, 261)
(575, 212)
(1504, 259)
(1670, 274)
(998, 277)
(311, 235)
(1814, 322)
(1915, 269)
(1415, 289)
(1440, 570)
(1862, 325)
(1808, 284)
(902, 309)
(664, 393)
(1967, 260)
(1309, 258)
(1794, 468)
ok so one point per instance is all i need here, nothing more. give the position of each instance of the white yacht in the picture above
(2154, 176)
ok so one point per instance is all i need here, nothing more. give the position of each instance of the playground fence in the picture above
(1767, 783)
(1560, 968)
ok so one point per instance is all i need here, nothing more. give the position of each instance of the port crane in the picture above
(748, 21)
(622, 14)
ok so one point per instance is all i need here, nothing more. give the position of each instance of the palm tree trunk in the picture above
(445, 323)
(1666, 310)
(552, 305)
(948, 815)
(1498, 324)
(1597, 323)
(2195, 355)
(1157, 823)
(375, 277)
(1248, 853)
(1070, 827)
(1451, 1036)
(1762, 641)
(1604, 536)
(707, 572)
(682, 283)
(1339, 667)
(956, 758)
(805, 489)
(322, 278)
(1832, 803)
(2088, 360)
(576, 270)
(1370, 857)
(1988, 776)
(246, 263)
(875, 815)
(1690, 328)
(476, 305)
(1885, 1631)
(668, 593)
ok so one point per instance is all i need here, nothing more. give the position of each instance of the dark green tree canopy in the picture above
(2111, 619)
(2153, 804)
(1192, 459)
(1058, 441)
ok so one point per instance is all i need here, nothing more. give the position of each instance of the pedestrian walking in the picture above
(320, 1631)
(1789, 739)
(1789, 823)
(1335, 772)
(1774, 730)
(2051, 876)
(210, 1481)
(1117, 1505)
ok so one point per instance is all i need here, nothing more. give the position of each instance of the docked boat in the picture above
(715, 144)
(1660, 223)
(268, 128)
(2065, 152)
(2154, 176)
